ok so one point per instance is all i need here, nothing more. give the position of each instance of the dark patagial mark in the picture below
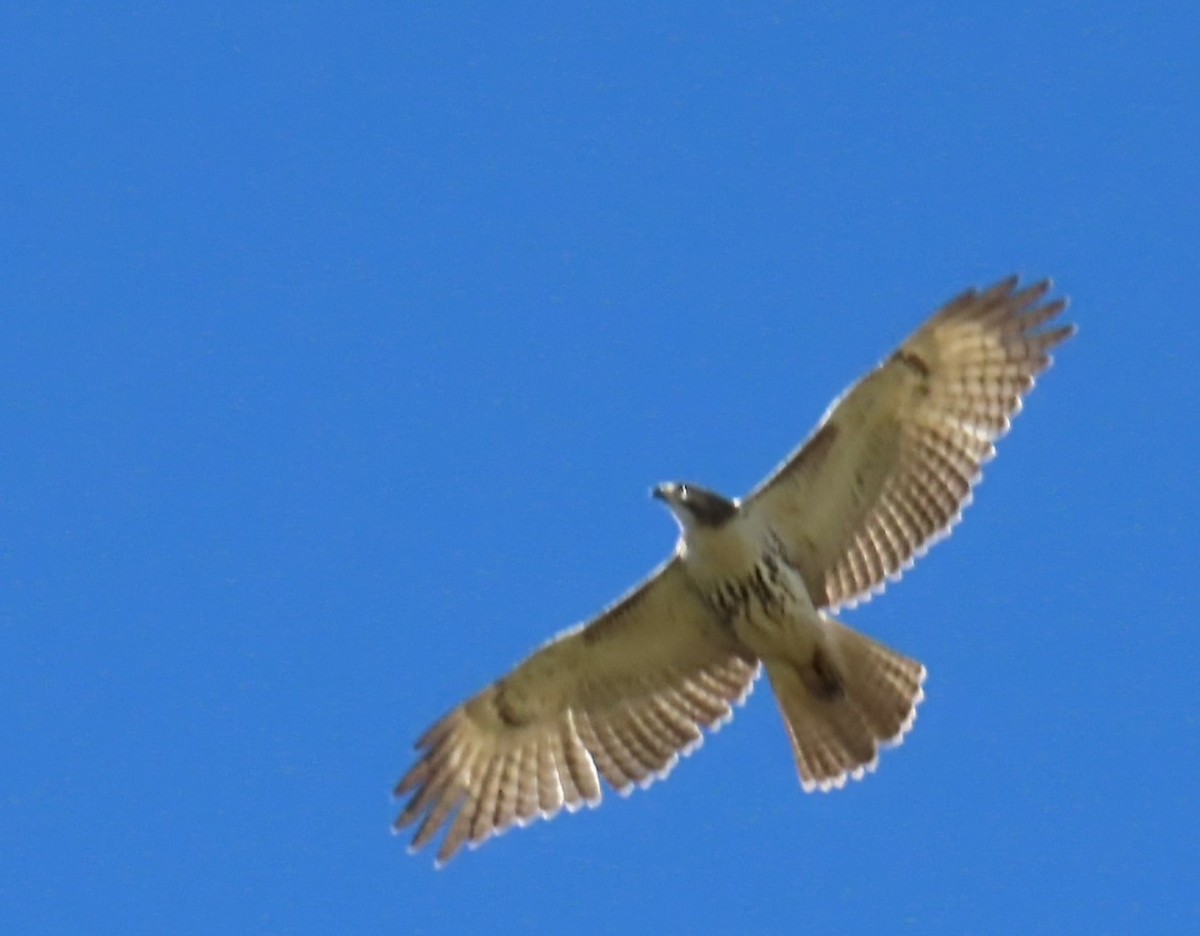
(821, 679)
(817, 448)
(613, 619)
(913, 362)
(507, 712)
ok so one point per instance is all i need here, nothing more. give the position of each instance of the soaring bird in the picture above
(752, 584)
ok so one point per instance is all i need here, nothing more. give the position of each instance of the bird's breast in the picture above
(764, 605)
(760, 588)
(743, 575)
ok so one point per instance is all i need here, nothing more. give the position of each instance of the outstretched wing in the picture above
(891, 466)
(621, 698)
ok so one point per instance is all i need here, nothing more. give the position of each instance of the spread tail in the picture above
(851, 696)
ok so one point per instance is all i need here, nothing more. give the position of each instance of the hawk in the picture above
(752, 584)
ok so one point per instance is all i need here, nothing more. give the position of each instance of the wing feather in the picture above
(581, 766)
(892, 465)
(622, 699)
(549, 786)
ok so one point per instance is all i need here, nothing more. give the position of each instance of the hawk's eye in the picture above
(683, 492)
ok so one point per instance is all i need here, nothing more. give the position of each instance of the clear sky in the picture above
(341, 344)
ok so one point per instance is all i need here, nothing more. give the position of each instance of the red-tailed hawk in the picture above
(886, 473)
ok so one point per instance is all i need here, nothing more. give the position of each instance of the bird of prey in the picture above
(753, 583)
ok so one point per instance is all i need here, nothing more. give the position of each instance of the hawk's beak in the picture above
(663, 492)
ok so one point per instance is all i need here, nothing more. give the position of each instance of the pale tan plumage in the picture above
(582, 706)
(917, 431)
(886, 474)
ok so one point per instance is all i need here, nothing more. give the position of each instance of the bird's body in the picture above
(841, 694)
(754, 582)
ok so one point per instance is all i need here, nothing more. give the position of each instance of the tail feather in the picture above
(850, 697)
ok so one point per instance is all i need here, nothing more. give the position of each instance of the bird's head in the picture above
(696, 507)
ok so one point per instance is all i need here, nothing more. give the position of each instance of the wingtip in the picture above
(1043, 285)
(1001, 289)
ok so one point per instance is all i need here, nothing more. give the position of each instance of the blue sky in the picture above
(341, 344)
